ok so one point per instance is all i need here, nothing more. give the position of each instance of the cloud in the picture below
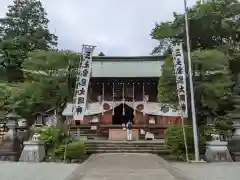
(116, 27)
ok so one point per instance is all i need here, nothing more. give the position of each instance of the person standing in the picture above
(129, 130)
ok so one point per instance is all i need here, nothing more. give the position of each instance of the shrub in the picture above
(174, 141)
(206, 131)
(53, 137)
(75, 150)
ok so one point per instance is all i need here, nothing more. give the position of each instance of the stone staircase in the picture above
(97, 146)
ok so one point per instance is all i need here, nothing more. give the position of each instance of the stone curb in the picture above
(173, 170)
(80, 171)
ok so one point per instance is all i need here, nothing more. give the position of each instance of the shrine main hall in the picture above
(123, 88)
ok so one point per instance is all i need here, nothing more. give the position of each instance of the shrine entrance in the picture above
(122, 114)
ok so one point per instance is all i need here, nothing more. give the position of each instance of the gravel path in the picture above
(35, 171)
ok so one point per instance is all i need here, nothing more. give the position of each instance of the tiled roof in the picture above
(113, 66)
(127, 68)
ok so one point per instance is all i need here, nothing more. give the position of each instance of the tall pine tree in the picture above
(24, 29)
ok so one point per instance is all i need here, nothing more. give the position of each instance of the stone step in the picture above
(127, 151)
(124, 145)
(129, 147)
(8, 153)
(105, 146)
(125, 142)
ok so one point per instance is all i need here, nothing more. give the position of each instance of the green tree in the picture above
(24, 98)
(212, 84)
(54, 71)
(214, 36)
(24, 29)
(210, 24)
(49, 83)
(167, 84)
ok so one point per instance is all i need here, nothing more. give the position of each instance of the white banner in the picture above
(83, 78)
(180, 73)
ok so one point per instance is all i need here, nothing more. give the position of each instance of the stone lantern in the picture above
(234, 116)
(12, 123)
(22, 123)
(39, 122)
(12, 145)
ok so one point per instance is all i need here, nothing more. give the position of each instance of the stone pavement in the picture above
(35, 171)
(123, 166)
(120, 166)
(209, 171)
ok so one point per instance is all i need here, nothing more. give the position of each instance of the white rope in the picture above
(102, 98)
(134, 109)
(113, 100)
(123, 113)
(144, 100)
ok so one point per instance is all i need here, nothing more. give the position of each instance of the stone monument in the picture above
(34, 150)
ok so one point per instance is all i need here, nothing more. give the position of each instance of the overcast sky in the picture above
(116, 27)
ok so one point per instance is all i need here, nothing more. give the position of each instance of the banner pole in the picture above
(194, 121)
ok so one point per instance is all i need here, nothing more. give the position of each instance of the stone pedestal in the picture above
(217, 151)
(34, 151)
